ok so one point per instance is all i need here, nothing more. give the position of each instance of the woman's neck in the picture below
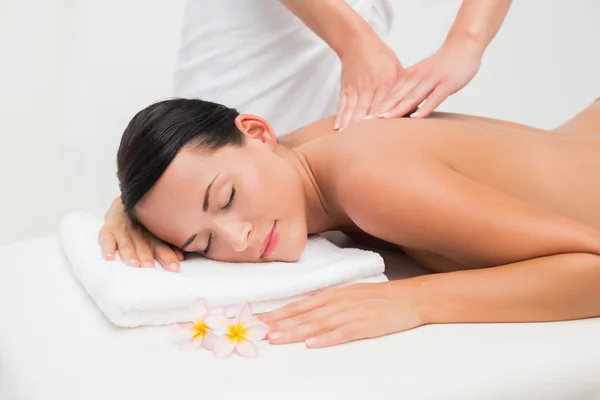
(320, 215)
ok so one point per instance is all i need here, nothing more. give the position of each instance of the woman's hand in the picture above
(350, 313)
(137, 247)
(433, 80)
(369, 71)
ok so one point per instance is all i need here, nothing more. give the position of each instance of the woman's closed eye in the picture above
(225, 207)
(208, 245)
(231, 199)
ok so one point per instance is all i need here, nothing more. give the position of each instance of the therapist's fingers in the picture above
(397, 94)
(362, 106)
(108, 244)
(376, 104)
(412, 99)
(141, 241)
(126, 248)
(340, 110)
(439, 94)
(351, 102)
(165, 255)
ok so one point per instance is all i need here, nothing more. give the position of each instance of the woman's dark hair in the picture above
(157, 133)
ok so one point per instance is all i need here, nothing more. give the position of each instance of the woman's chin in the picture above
(297, 250)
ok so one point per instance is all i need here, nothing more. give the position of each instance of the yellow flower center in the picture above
(199, 329)
(237, 332)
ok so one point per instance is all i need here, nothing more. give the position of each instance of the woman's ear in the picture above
(257, 128)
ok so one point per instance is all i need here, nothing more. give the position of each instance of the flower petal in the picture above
(217, 312)
(218, 324)
(191, 345)
(199, 309)
(223, 347)
(245, 315)
(209, 341)
(257, 330)
(246, 348)
(182, 331)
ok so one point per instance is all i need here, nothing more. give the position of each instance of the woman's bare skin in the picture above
(551, 174)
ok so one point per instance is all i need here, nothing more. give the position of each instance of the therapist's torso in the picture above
(258, 57)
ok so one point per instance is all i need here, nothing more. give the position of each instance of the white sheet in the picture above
(55, 344)
(132, 297)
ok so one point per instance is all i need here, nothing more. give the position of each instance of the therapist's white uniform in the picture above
(258, 57)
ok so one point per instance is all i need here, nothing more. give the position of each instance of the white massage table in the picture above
(55, 344)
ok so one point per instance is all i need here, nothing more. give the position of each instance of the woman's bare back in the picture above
(557, 172)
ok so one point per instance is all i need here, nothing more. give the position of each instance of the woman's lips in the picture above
(270, 242)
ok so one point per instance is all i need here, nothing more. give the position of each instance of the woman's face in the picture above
(237, 204)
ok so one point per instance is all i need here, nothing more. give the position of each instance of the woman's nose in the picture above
(236, 233)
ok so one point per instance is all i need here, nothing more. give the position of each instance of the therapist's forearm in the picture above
(553, 288)
(334, 21)
(478, 22)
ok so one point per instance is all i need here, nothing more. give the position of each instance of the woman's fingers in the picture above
(165, 255)
(343, 334)
(178, 253)
(329, 321)
(141, 242)
(108, 244)
(126, 247)
(293, 309)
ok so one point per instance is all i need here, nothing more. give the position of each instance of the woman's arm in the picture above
(550, 288)
(542, 266)
(535, 265)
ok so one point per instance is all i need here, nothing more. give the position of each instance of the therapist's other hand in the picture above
(337, 316)
(432, 80)
(137, 247)
(369, 71)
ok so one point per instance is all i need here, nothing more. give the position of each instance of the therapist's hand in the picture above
(433, 80)
(369, 71)
(137, 247)
(354, 312)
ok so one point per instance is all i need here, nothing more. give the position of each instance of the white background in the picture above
(72, 73)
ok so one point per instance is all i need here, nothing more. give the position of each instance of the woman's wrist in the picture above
(419, 304)
(116, 206)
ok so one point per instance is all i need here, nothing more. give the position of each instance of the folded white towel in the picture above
(143, 296)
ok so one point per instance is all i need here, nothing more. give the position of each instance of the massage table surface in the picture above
(56, 344)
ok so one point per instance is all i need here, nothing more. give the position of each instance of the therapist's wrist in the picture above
(356, 41)
(467, 43)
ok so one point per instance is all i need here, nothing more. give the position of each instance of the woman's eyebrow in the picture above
(207, 193)
(205, 205)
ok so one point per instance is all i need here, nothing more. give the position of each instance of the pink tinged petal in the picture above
(182, 331)
(219, 324)
(209, 341)
(246, 348)
(257, 331)
(217, 312)
(199, 309)
(223, 347)
(245, 315)
(191, 344)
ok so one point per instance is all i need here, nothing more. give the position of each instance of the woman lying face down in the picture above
(487, 203)
(207, 180)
